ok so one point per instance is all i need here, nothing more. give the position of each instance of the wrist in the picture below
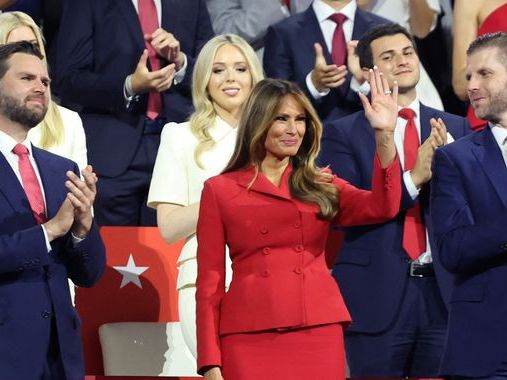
(415, 179)
(51, 230)
(81, 229)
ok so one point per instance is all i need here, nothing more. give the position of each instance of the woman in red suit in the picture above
(283, 315)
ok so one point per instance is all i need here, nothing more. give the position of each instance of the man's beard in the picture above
(18, 112)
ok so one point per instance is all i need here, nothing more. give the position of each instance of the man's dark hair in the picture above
(363, 49)
(491, 40)
(7, 50)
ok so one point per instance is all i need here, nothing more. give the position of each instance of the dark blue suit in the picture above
(469, 214)
(289, 54)
(99, 45)
(34, 291)
(372, 267)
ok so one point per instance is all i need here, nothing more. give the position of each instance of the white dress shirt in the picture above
(399, 136)
(500, 135)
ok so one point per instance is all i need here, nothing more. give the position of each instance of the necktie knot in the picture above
(406, 113)
(20, 150)
(338, 18)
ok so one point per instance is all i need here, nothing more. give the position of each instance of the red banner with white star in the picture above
(139, 285)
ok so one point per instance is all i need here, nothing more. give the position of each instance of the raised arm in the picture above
(465, 27)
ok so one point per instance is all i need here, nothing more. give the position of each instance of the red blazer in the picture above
(276, 243)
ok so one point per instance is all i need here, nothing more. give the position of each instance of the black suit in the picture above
(99, 45)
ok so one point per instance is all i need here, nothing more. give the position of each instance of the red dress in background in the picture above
(495, 22)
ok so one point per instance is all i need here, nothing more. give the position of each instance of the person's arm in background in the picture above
(6, 3)
(465, 27)
(423, 16)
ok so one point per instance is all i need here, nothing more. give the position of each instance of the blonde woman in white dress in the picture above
(225, 71)
(61, 132)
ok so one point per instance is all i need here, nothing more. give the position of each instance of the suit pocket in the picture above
(468, 290)
(354, 256)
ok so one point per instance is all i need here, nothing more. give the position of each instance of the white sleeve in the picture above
(169, 182)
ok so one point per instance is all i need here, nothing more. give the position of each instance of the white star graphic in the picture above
(131, 273)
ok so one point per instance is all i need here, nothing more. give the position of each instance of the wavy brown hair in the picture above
(306, 180)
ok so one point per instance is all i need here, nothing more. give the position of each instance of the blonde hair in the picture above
(306, 180)
(204, 115)
(52, 129)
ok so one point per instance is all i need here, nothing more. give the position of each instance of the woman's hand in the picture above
(382, 111)
(213, 374)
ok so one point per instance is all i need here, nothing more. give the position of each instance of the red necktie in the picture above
(149, 23)
(30, 183)
(287, 4)
(339, 48)
(414, 232)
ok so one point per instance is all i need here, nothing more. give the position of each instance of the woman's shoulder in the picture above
(70, 119)
(173, 129)
(177, 135)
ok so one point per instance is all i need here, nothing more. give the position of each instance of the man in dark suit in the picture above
(469, 214)
(391, 281)
(311, 49)
(47, 234)
(127, 66)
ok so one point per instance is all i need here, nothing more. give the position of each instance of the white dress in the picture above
(179, 180)
(73, 145)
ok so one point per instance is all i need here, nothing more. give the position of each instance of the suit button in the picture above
(46, 314)
(298, 271)
(299, 248)
(264, 230)
(266, 273)
(503, 247)
(266, 250)
(297, 225)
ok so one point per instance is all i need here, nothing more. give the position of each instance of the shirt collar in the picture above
(7, 143)
(414, 106)
(499, 133)
(323, 11)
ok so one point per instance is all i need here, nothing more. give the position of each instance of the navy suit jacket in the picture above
(372, 267)
(469, 214)
(99, 45)
(34, 283)
(289, 54)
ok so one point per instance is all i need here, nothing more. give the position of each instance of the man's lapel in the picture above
(52, 181)
(11, 187)
(490, 158)
(128, 12)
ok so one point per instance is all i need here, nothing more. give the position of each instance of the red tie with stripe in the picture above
(414, 232)
(149, 23)
(339, 48)
(30, 183)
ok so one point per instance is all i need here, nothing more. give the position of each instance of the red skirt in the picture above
(300, 354)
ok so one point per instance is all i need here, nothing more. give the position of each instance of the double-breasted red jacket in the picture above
(276, 243)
